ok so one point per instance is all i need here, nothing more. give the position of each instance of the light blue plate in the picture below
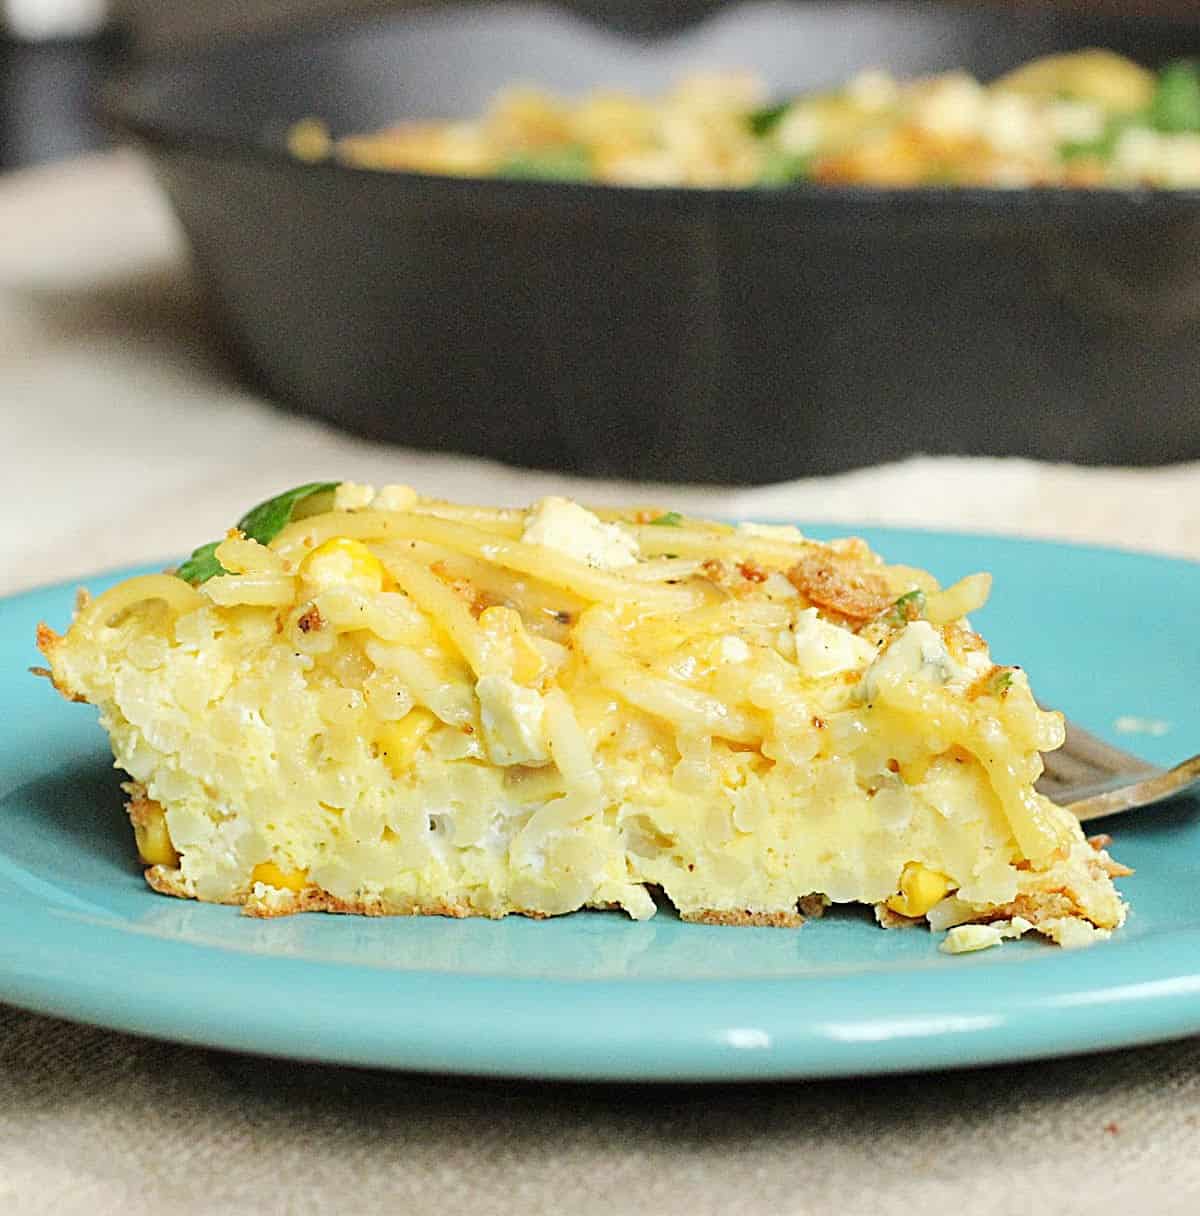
(1105, 635)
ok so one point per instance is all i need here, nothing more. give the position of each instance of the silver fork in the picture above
(1092, 778)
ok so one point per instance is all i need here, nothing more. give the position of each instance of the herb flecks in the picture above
(566, 163)
(1176, 104)
(781, 168)
(1104, 145)
(909, 607)
(766, 118)
(671, 519)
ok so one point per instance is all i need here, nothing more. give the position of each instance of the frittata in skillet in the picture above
(1090, 118)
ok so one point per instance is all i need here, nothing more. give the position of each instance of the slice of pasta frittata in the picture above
(372, 702)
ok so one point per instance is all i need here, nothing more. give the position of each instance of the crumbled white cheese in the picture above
(559, 523)
(1072, 933)
(1079, 122)
(351, 496)
(394, 498)
(822, 649)
(733, 649)
(978, 663)
(1180, 160)
(963, 939)
(278, 901)
(772, 531)
(952, 106)
(916, 653)
(513, 722)
(778, 587)
(1009, 123)
(873, 90)
(1138, 151)
(799, 131)
(1017, 927)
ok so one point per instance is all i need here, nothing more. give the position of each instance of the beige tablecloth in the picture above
(127, 438)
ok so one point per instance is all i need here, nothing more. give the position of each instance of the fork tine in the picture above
(1060, 775)
(1085, 764)
(1182, 779)
(1085, 746)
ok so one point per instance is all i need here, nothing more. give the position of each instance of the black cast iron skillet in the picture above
(720, 335)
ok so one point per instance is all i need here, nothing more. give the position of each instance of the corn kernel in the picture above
(398, 741)
(153, 839)
(512, 651)
(342, 561)
(271, 875)
(920, 889)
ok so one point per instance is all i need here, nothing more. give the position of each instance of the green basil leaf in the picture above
(781, 168)
(1105, 144)
(1176, 104)
(1078, 149)
(672, 519)
(766, 118)
(569, 163)
(265, 522)
(202, 565)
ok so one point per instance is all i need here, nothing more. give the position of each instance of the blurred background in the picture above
(52, 52)
(715, 337)
(164, 23)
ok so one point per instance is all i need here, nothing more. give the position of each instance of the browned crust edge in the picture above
(314, 899)
(47, 643)
(885, 918)
(1034, 907)
(138, 806)
(743, 917)
(1037, 906)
